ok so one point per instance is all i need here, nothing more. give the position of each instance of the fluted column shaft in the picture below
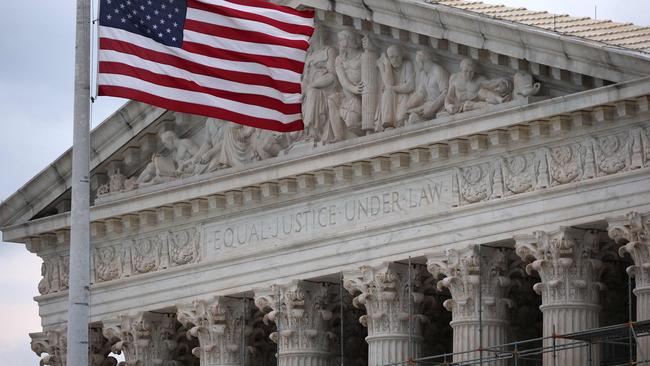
(384, 349)
(466, 338)
(633, 230)
(299, 310)
(569, 268)
(383, 291)
(475, 276)
(564, 319)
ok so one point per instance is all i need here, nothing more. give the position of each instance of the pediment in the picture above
(406, 54)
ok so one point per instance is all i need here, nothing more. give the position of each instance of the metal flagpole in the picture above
(79, 279)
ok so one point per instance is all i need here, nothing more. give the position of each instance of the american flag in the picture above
(237, 60)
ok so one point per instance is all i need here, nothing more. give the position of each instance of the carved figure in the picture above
(206, 158)
(398, 81)
(431, 84)
(165, 168)
(345, 107)
(469, 90)
(318, 82)
(524, 86)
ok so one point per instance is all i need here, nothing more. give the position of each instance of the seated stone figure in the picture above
(398, 82)
(469, 90)
(207, 157)
(431, 84)
(165, 168)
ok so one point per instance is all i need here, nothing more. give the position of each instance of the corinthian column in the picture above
(52, 343)
(299, 310)
(473, 280)
(634, 231)
(218, 324)
(383, 290)
(146, 338)
(569, 268)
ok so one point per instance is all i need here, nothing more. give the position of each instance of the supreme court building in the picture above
(473, 181)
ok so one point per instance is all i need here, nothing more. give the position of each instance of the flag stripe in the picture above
(226, 59)
(268, 61)
(203, 80)
(194, 97)
(235, 12)
(201, 109)
(183, 84)
(245, 35)
(242, 24)
(203, 65)
(279, 10)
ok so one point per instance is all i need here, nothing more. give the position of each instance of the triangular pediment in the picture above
(417, 46)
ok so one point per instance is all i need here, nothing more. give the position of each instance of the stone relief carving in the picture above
(355, 83)
(55, 274)
(133, 256)
(431, 84)
(582, 159)
(397, 83)
(469, 90)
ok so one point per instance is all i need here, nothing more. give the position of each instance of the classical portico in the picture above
(450, 161)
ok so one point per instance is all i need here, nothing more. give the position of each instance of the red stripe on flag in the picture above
(183, 84)
(270, 5)
(225, 11)
(243, 35)
(197, 68)
(268, 61)
(200, 109)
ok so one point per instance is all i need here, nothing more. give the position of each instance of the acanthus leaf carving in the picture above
(301, 313)
(218, 323)
(633, 231)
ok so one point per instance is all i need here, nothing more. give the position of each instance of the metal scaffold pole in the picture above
(79, 280)
(342, 340)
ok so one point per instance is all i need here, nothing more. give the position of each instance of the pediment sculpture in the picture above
(354, 84)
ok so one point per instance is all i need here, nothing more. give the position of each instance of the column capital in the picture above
(633, 231)
(301, 311)
(218, 323)
(52, 343)
(568, 263)
(383, 290)
(147, 339)
(467, 274)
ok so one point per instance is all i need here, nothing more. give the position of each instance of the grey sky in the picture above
(36, 75)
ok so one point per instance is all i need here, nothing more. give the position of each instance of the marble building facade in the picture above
(462, 182)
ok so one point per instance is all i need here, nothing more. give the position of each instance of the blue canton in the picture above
(160, 20)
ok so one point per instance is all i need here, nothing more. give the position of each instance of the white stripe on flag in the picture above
(238, 66)
(245, 47)
(269, 13)
(243, 24)
(194, 97)
(207, 81)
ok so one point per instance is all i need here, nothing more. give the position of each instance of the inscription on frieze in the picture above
(325, 218)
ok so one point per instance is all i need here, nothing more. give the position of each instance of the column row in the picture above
(301, 317)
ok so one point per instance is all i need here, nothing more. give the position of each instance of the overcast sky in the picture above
(36, 78)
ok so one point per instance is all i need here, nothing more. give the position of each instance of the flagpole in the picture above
(79, 280)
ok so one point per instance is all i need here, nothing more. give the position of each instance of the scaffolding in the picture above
(531, 351)
(626, 335)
